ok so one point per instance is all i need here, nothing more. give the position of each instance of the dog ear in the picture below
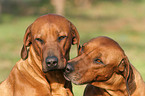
(79, 50)
(27, 42)
(75, 36)
(124, 67)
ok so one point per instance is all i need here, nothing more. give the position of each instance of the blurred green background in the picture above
(122, 20)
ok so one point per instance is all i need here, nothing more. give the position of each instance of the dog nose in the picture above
(69, 68)
(51, 61)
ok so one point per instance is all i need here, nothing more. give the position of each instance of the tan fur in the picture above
(103, 65)
(27, 77)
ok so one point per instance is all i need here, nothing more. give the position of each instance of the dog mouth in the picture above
(55, 68)
(73, 78)
(66, 77)
(47, 70)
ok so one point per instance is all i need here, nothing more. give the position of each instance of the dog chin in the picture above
(72, 80)
(76, 82)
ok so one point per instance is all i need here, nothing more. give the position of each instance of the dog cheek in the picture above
(104, 75)
(89, 76)
(44, 67)
(81, 77)
(61, 63)
(68, 45)
(64, 63)
(37, 49)
(65, 45)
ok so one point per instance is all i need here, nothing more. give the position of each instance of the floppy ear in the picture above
(75, 36)
(79, 50)
(124, 67)
(27, 42)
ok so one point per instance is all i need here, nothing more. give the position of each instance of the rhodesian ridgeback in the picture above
(103, 65)
(47, 43)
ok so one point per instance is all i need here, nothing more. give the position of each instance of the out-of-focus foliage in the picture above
(38, 7)
(121, 20)
(26, 7)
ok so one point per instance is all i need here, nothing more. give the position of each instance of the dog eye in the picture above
(40, 40)
(61, 38)
(98, 61)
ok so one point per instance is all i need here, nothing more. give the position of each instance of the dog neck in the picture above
(34, 61)
(31, 69)
(117, 84)
(55, 79)
(33, 64)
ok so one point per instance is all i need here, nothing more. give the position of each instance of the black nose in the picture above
(51, 61)
(69, 68)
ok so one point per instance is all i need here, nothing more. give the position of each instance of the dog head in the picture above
(51, 37)
(97, 61)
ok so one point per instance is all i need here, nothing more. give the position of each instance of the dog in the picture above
(44, 54)
(103, 65)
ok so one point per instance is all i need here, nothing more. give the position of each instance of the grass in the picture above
(122, 22)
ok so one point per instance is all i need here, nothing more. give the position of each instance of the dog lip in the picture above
(48, 69)
(66, 77)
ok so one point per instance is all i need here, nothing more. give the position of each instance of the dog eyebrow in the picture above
(90, 52)
(99, 54)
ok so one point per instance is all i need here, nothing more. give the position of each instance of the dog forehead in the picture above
(90, 46)
(103, 42)
(52, 19)
(105, 46)
(50, 24)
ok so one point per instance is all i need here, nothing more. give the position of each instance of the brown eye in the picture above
(40, 40)
(98, 61)
(61, 38)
